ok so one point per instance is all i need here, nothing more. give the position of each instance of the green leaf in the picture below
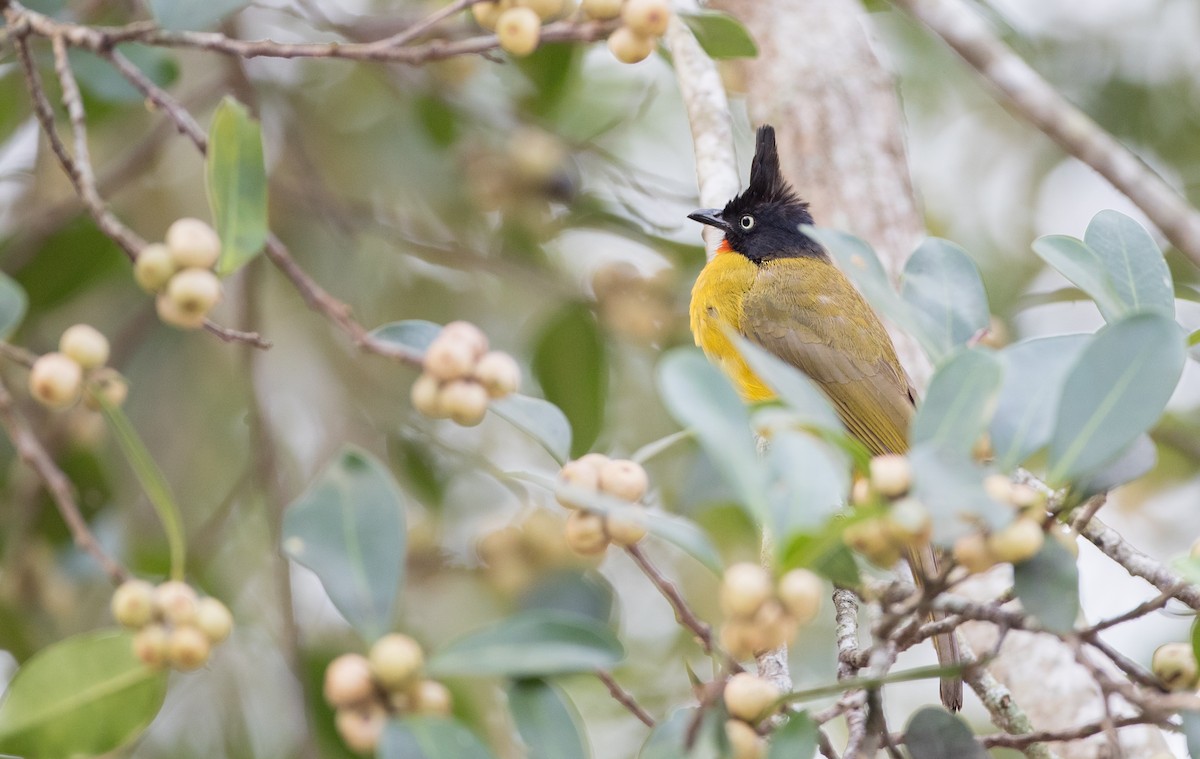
(1134, 263)
(797, 739)
(1115, 391)
(571, 591)
(1034, 372)
(808, 486)
(935, 733)
(1195, 636)
(530, 644)
(571, 365)
(721, 35)
(348, 528)
(1137, 459)
(57, 274)
(824, 552)
(414, 334)
(1048, 586)
(86, 695)
(1083, 267)
(548, 723)
(942, 284)
(540, 420)
(153, 482)
(429, 738)
(13, 304)
(685, 535)
(237, 185)
(668, 739)
(950, 484)
(699, 396)
(959, 401)
(794, 388)
(100, 80)
(189, 15)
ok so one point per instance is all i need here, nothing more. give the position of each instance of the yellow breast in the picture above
(716, 307)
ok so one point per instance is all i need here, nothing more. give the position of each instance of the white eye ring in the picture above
(747, 222)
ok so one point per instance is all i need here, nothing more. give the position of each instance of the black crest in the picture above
(768, 190)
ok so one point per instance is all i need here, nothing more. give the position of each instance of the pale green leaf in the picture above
(941, 283)
(721, 35)
(1084, 267)
(1048, 587)
(418, 737)
(1135, 265)
(549, 725)
(530, 644)
(540, 420)
(959, 401)
(237, 185)
(935, 733)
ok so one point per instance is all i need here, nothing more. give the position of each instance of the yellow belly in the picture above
(717, 307)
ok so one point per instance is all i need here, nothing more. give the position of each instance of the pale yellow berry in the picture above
(133, 604)
(999, 488)
(396, 661)
(582, 474)
(488, 12)
(187, 648)
(800, 591)
(150, 645)
(1017, 542)
(175, 602)
(625, 528)
(360, 727)
(972, 553)
(545, 9)
(432, 698)
(870, 538)
(744, 588)
(426, 397)
(55, 381)
(194, 291)
(1175, 665)
(499, 374)
(1028, 499)
(108, 384)
(908, 522)
(627, 46)
(744, 741)
(153, 267)
(468, 334)
(463, 401)
(585, 533)
(348, 681)
(449, 358)
(193, 244)
(750, 698)
(774, 624)
(624, 479)
(518, 30)
(601, 10)
(85, 344)
(891, 475)
(213, 619)
(647, 17)
(740, 639)
(861, 493)
(170, 313)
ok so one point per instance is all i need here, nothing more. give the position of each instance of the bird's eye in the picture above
(747, 222)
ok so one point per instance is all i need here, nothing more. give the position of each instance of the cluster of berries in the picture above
(642, 23)
(173, 626)
(1021, 539)
(180, 271)
(749, 699)
(516, 555)
(366, 690)
(588, 532)
(58, 380)
(517, 23)
(460, 375)
(904, 523)
(761, 614)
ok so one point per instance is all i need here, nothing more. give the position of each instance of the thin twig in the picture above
(1141, 610)
(1023, 740)
(624, 698)
(683, 612)
(1138, 564)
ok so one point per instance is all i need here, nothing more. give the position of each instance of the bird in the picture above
(778, 288)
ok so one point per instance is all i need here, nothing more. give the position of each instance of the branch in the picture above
(1026, 92)
(57, 484)
(624, 698)
(845, 614)
(683, 612)
(1139, 564)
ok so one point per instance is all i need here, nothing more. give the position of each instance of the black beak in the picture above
(711, 217)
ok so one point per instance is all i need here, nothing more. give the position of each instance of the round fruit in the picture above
(1175, 665)
(56, 381)
(1017, 542)
(498, 373)
(999, 488)
(601, 10)
(585, 533)
(488, 12)
(426, 398)
(133, 604)
(193, 244)
(361, 727)
(194, 291)
(465, 332)
(171, 314)
(972, 552)
(870, 538)
(861, 493)
(395, 661)
(774, 624)
(800, 591)
(908, 522)
(744, 742)
(463, 401)
(85, 344)
(624, 479)
(625, 528)
(891, 475)
(108, 384)
(750, 698)
(187, 648)
(448, 359)
(175, 602)
(647, 17)
(628, 46)
(518, 30)
(545, 9)
(153, 267)
(433, 698)
(744, 588)
(213, 619)
(348, 681)
(740, 639)
(582, 473)
(150, 645)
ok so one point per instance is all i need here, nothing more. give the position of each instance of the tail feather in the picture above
(924, 562)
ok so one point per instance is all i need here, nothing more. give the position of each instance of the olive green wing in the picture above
(826, 330)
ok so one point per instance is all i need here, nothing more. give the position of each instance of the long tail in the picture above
(924, 563)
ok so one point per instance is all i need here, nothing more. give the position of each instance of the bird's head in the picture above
(763, 223)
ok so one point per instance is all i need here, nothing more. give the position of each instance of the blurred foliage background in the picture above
(544, 200)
